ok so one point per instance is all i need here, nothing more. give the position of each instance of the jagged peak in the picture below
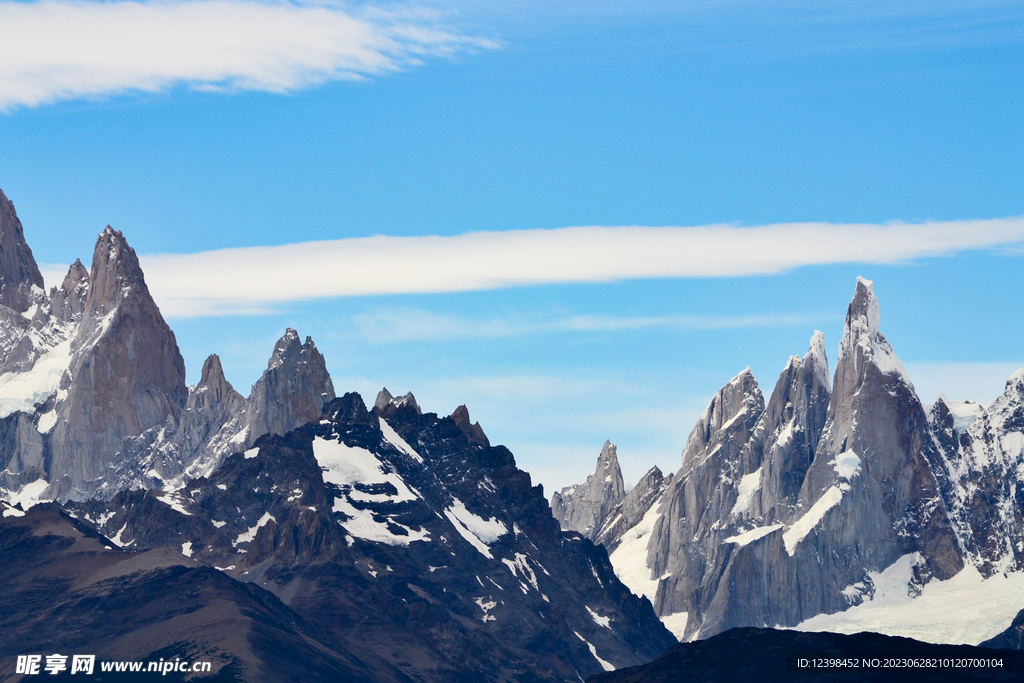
(407, 400)
(1016, 379)
(816, 357)
(76, 275)
(384, 399)
(212, 370)
(861, 337)
(287, 345)
(115, 273)
(473, 431)
(19, 273)
(609, 452)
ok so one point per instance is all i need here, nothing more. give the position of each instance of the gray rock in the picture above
(19, 273)
(584, 508)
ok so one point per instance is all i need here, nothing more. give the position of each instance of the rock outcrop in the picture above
(20, 280)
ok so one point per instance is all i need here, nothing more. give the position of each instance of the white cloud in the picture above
(255, 279)
(979, 382)
(401, 325)
(64, 49)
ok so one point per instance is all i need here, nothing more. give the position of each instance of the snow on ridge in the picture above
(393, 438)
(347, 465)
(598, 619)
(248, 536)
(28, 495)
(803, 526)
(607, 666)
(479, 532)
(22, 391)
(748, 537)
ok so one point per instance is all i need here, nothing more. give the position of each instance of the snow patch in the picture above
(186, 548)
(629, 561)
(248, 536)
(803, 526)
(13, 512)
(479, 532)
(346, 465)
(676, 623)
(392, 437)
(748, 537)
(486, 607)
(521, 564)
(47, 421)
(749, 483)
(217, 524)
(251, 453)
(29, 494)
(846, 465)
(22, 391)
(173, 502)
(598, 619)
(363, 525)
(607, 666)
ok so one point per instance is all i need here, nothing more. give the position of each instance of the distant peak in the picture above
(473, 431)
(863, 307)
(115, 274)
(212, 370)
(383, 399)
(608, 452)
(816, 357)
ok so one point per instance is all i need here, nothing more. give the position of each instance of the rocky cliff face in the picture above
(584, 508)
(20, 280)
(399, 534)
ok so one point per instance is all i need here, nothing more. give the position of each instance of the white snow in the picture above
(846, 465)
(749, 483)
(222, 487)
(964, 609)
(963, 412)
(630, 559)
(748, 537)
(479, 532)
(486, 607)
(347, 465)
(248, 536)
(24, 390)
(598, 619)
(522, 566)
(47, 421)
(251, 453)
(803, 526)
(172, 501)
(1012, 443)
(607, 666)
(29, 494)
(217, 524)
(13, 512)
(392, 437)
(116, 538)
(363, 525)
(676, 623)
(186, 549)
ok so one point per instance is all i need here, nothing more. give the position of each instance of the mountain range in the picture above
(295, 534)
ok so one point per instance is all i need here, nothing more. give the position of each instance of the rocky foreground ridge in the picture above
(804, 503)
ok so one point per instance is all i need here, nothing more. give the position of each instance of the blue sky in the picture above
(203, 126)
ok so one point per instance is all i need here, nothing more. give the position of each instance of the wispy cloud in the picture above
(63, 49)
(258, 279)
(402, 325)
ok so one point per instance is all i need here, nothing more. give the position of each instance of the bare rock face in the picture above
(631, 510)
(126, 373)
(473, 431)
(19, 273)
(584, 508)
(293, 390)
(69, 299)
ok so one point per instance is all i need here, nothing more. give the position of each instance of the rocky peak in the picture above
(737, 404)
(214, 381)
(116, 274)
(386, 403)
(18, 270)
(68, 300)
(631, 510)
(585, 507)
(293, 390)
(863, 346)
(473, 431)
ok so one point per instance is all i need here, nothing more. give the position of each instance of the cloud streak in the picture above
(253, 280)
(65, 49)
(404, 325)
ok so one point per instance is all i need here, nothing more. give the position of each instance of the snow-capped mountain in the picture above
(583, 507)
(92, 386)
(403, 523)
(831, 502)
